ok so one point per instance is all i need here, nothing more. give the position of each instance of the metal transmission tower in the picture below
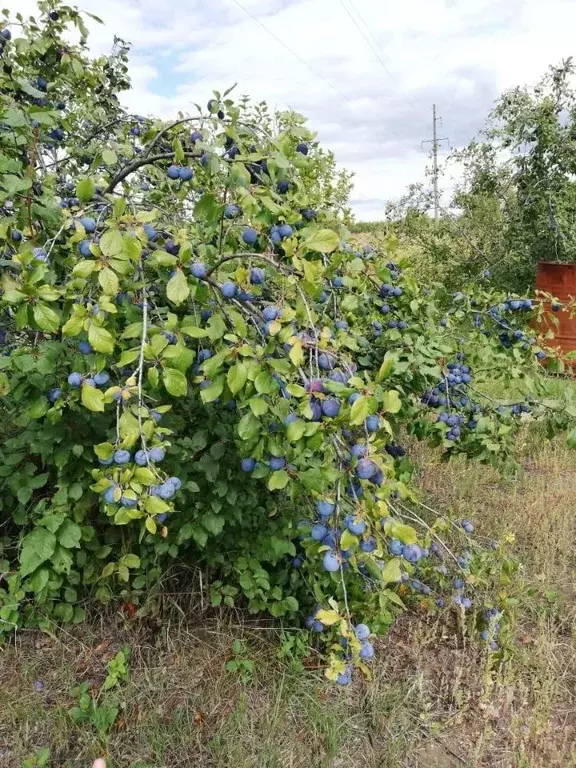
(435, 141)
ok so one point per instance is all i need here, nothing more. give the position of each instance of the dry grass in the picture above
(435, 702)
(182, 708)
(527, 716)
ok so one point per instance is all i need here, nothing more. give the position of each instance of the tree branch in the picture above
(138, 163)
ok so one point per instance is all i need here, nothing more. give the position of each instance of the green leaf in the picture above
(216, 327)
(359, 411)
(295, 430)
(37, 408)
(291, 603)
(386, 368)
(46, 318)
(213, 523)
(278, 480)
(109, 281)
(84, 268)
(212, 392)
(130, 561)
(206, 207)
(101, 339)
(37, 547)
(104, 450)
(24, 494)
(391, 571)
(347, 540)
(405, 533)
(69, 534)
(111, 243)
(15, 118)
(248, 426)
(175, 382)
(258, 406)
(92, 398)
(178, 289)
(236, 378)
(39, 580)
(194, 332)
(391, 401)
(109, 157)
(85, 190)
(322, 240)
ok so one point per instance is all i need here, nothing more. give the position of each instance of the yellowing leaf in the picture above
(212, 392)
(347, 540)
(46, 318)
(296, 354)
(405, 533)
(386, 367)
(236, 378)
(328, 618)
(178, 289)
(111, 242)
(73, 325)
(92, 398)
(85, 189)
(278, 480)
(100, 339)
(194, 332)
(85, 268)
(109, 281)
(150, 525)
(322, 240)
(391, 401)
(295, 430)
(391, 571)
(258, 406)
(109, 157)
(359, 411)
(175, 382)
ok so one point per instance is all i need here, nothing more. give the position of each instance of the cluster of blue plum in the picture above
(184, 172)
(451, 392)
(76, 379)
(388, 293)
(142, 458)
(366, 653)
(508, 335)
(361, 634)
(413, 554)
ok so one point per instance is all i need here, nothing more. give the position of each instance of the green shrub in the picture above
(192, 351)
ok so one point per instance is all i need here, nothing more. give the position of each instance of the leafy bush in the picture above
(198, 368)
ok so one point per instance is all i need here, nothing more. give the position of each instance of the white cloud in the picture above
(458, 53)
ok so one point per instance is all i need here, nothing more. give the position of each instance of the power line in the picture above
(283, 44)
(374, 51)
(367, 28)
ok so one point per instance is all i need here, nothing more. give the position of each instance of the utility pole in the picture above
(435, 141)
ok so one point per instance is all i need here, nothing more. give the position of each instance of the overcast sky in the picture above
(371, 109)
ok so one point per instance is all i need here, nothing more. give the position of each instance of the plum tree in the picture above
(231, 406)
